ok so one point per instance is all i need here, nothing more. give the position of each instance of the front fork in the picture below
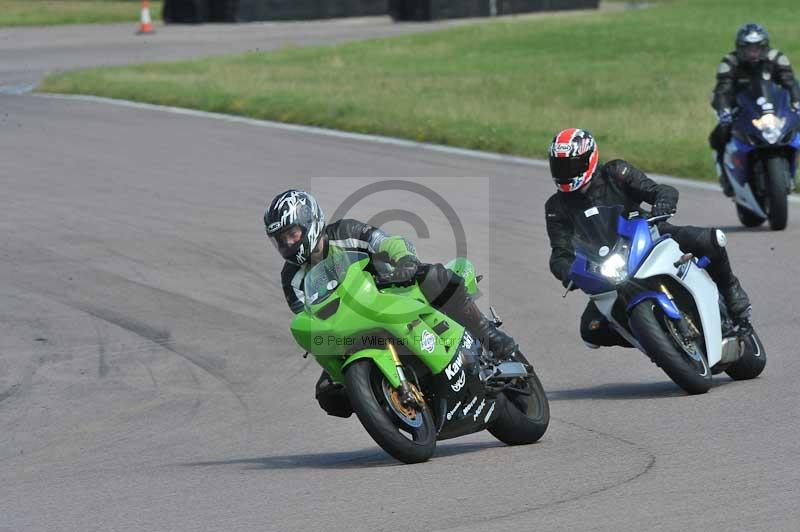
(410, 394)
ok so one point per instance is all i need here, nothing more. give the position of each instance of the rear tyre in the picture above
(408, 434)
(748, 217)
(752, 362)
(523, 417)
(778, 176)
(649, 324)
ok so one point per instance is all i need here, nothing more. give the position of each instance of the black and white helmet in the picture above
(752, 43)
(294, 222)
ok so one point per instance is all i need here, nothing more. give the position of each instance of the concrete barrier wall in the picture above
(196, 11)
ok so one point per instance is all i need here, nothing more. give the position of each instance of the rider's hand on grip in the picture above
(404, 273)
(663, 207)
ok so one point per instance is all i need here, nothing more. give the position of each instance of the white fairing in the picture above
(699, 284)
(605, 304)
(742, 194)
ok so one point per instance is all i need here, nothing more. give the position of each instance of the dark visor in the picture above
(565, 169)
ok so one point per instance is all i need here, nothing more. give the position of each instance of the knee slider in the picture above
(720, 239)
(711, 242)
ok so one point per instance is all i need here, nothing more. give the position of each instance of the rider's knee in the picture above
(711, 242)
(442, 287)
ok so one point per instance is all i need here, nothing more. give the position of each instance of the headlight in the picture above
(770, 127)
(615, 268)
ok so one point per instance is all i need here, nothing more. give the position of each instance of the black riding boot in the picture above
(735, 297)
(493, 339)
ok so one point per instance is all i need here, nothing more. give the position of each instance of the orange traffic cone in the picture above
(146, 24)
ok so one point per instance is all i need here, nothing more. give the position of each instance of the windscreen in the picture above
(596, 230)
(325, 277)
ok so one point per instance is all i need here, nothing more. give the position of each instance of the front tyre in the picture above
(752, 362)
(778, 175)
(408, 434)
(524, 411)
(688, 370)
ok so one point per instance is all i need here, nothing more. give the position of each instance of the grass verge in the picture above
(639, 79)
(55, 12)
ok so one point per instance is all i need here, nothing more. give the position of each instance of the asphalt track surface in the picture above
(148, 380)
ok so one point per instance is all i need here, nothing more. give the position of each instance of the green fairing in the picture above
(465, 269)
(365, 317)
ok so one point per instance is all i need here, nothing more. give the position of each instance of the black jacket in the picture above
(614, 183)
(733, 75)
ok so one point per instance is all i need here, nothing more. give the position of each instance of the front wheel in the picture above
(525, 411)
(406, 433)
(752, 362)
(778, 175)
(683, 361)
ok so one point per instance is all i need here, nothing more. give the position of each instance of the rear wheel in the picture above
(748, 217)
(778, 175)
(752, 362)
(525, 411)
(681, 359)
(406, 433)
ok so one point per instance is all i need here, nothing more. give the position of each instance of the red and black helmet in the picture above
(573, 159)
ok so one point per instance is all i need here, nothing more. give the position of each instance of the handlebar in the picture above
(659, 218)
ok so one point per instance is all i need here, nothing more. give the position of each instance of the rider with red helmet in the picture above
(584, 183)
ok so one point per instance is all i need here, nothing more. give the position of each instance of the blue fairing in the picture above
(585, 280)
(663, 301)
(638, 232)
(796, 145)
(753, 103)
(739, 169)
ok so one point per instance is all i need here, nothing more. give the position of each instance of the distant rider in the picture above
(296, 226)
(584, 183)
(752, 59)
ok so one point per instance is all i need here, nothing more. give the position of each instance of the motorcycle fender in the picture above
(661, 298)
(698, 283)
(382, 359)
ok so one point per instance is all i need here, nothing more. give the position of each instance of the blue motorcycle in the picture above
(760, 161)
(659, 299)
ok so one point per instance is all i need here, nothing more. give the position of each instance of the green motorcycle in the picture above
(412, 374)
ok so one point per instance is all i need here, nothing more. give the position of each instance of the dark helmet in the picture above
(573, 159)
(752, 43)
(294, 222)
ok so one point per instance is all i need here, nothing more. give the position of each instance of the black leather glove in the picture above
(404, 273)
(662, 207)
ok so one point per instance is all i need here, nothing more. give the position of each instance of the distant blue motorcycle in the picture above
(760, 161)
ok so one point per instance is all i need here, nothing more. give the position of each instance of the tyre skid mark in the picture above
(161, 338)
(651, 460)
